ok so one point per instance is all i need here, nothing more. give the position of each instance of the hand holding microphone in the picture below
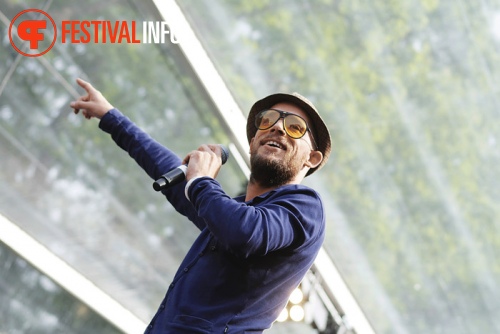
(206, 161)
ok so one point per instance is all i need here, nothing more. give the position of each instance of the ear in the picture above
(315, 158)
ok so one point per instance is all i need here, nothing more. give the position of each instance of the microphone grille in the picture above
(224, 153)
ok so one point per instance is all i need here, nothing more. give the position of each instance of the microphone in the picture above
(178, 174)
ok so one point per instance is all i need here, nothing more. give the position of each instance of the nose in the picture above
(279, 127)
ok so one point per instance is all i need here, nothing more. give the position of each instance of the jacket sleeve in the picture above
(291, 218)
(153, 157)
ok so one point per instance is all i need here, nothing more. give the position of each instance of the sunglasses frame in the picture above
(284, 115)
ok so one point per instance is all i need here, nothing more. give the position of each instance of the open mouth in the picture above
(275, 144)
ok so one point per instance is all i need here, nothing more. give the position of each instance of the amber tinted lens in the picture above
(295, 126)
(266, 119)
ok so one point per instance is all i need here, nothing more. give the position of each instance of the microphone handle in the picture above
(171, 178)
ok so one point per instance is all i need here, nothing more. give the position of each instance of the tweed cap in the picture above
(318, 126)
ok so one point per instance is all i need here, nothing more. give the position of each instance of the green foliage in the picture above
(408, 89)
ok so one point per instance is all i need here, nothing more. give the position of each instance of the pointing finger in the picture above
(85, 85)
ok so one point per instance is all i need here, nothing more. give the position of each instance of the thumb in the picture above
(81, 105)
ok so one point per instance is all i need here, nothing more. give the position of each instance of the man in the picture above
(252, 250)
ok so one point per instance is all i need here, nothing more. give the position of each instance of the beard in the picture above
(271, 173)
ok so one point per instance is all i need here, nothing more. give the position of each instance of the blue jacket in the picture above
(249, 256)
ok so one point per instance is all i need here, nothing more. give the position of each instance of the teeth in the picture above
(275, 144)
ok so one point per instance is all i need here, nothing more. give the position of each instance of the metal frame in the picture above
(68, 278)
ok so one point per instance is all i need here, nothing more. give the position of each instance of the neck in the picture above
(255, 189)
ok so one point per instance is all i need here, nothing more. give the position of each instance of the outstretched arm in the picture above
(153, 157)
(92, 104)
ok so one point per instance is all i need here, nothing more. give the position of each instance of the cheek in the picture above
(300, 156)
(251, 145)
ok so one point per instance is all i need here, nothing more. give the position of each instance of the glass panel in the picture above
(33, 303)
(67, 184)
(409, 91)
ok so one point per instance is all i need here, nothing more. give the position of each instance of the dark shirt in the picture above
(249, 256)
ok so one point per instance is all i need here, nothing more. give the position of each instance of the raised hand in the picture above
(92, 104)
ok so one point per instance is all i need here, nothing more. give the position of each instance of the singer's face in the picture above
(275, 157)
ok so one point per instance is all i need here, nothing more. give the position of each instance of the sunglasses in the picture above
(294, 125)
